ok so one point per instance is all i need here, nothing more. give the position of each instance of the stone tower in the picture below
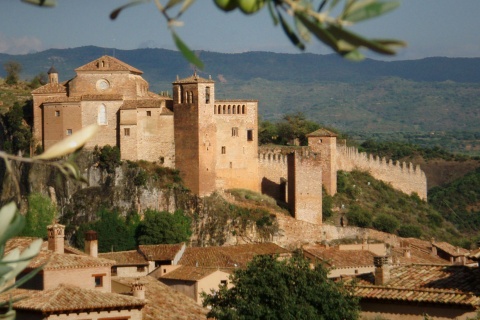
(324, 142)
(52, 75)
(195, 133)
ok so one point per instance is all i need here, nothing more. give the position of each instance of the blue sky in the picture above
(431, 28)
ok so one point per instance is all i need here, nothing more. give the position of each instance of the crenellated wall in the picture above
(403, 177)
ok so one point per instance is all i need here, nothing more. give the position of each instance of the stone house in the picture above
(192, 281)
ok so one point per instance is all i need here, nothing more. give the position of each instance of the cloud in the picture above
(21, 45)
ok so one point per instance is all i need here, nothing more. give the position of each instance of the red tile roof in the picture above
(425, 283)
(192, 273)
(322, 133)
(164, 303)
(51, 88)
(336, 258)
(132, 257)
(68, 298)
(160, 251)
(451, 250)
(55, 261)
(229, 256)
(112, 64)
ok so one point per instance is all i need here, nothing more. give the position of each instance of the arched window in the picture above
(207, 95)
(214, 109)
(234, 110)
(102, 114)
(224, 109)
(243, 109)
(229, 110)
(219, 109)
(238, 109)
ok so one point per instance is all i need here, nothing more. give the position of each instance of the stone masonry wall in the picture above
(273, 172)
(403, 177)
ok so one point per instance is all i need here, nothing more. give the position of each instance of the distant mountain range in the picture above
(431, 94)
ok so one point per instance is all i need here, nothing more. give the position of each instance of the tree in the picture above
(270, 288)
(295, 127)
(163, 227)
(108, 157)
(310, 18)
(386, 223)
(115, 232)
(41, 213)
(18, 134)
(13, 69)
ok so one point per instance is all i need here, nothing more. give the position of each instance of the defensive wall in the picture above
(402, 176)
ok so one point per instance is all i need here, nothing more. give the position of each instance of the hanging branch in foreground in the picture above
(300, 20)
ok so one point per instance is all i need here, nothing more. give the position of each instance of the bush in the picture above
(386, 223)
(410, 231)
(108, 157)
(41, 213)
(163, 228)
(359, 217)
(141, 178)
(327, 205)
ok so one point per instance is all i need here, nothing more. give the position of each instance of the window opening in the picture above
(207, 95)
(57, 113)
(102, 114)
(149, 113)
(69, 132)
(224, 150)
(98, 280)
(243, 109)
(234, 132)
(250, 135)
(126, 132)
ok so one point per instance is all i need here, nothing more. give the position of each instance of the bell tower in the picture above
(195, 133)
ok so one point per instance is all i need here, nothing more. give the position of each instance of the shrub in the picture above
(410, 231)
(41, 213)
(359, 217)
(163, 228)
(108, 157)
(386, 223)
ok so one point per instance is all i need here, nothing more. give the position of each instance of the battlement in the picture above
(402, 176)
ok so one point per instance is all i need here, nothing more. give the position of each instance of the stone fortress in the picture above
(213, 143)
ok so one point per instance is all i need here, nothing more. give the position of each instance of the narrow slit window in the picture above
(126, 132)
(69, 132)
(207, 95)
(234, 132)
(224, 150)
(250, 135)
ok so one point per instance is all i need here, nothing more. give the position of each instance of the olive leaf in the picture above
(186, 52)
(114, 14)
(290, 33)
(69, 144)
(42, 3)
(370, 10)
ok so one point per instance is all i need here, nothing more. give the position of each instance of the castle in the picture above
(213, 143)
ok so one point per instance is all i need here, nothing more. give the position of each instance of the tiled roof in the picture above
(160, 251)
(167, 304)
(450, 249)
(417, 256)
(132, 257)
(322, 133)
(229, 256)
(336, 258)
(112, 64)
(51, 88)
(425, 283)
(102, 97)
(192, 273)
(68, 298)
(194, 79)
(146, 103)
(18, 242)
(55, 261)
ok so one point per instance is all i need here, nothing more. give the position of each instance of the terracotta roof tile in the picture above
(425, 283)
(111, 64)
(132, 257)
(194, 79)
(68, 298)
(450, 249)
(56, 261)
(336, 258)
(322, 133)
(417, 256)
(164, 303)
(229, 256)
(160, 251)
(193, 273)
(146, 103)
(51, 88)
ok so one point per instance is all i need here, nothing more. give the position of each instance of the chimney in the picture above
(382, 270)
(138, 289)
(407, 253)
(56, 238)
(434, 249)
(91, 243)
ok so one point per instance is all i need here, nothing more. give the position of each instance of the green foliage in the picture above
(108, 157)
(288, 289)
(18, 134)
(163, 228)
(115, 233)
(358, 216)
(327, 205)
(410, 231)
(39, 80)
(41, 213)
(386, 223)
(141, 178)
(13, 69)
(458, 201)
